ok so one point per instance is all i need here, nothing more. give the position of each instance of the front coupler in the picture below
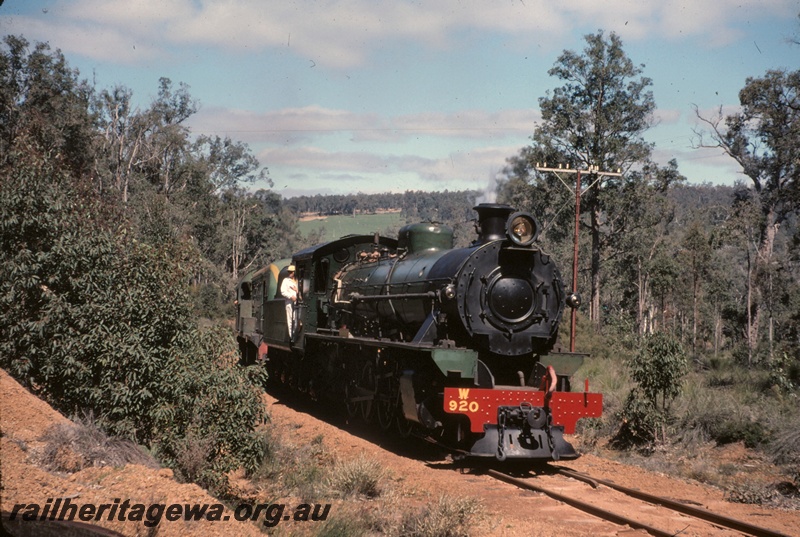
(524, 432)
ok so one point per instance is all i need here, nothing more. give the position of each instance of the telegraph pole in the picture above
(568, 171)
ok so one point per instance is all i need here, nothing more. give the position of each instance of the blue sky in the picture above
(392, 95)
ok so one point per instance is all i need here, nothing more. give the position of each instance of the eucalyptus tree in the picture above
(144, 158)
(762, 137)
(121, 134)
(596, 119)
(218, 214)
(43, 100)
(143, 149)
(637, 216)
(696, 250)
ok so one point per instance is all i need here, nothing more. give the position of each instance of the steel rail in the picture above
(583, 506)
(703, 514)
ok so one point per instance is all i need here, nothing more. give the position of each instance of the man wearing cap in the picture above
(289, 292)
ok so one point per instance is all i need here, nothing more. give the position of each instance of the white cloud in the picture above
(372, 172)
(99, 42)
(291, 126)
(286, 126)
(665, 116)
(470, 123)
(315, 158)
(299, 125)
(298, 141)
(343, 34)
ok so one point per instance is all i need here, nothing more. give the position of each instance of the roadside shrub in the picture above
(93, 320)
(738, 430)
(639, 420)
(192, 457)
(784, 374)
(207, 301)
(658, 369)
(209, 423)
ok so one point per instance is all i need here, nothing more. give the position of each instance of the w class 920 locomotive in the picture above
(413, 335)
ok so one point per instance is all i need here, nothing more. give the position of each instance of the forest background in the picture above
(122, 236)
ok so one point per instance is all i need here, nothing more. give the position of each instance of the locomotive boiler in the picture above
(456, 345)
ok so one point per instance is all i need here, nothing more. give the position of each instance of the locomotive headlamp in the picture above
(450, 292)
(522, 229)
(574, 300)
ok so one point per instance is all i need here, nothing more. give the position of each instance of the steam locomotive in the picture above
(455, 345)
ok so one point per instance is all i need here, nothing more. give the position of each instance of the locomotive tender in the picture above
(448, 344)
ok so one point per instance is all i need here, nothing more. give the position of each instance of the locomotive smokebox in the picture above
(492, 218)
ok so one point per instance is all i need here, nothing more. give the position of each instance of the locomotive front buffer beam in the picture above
(516, 422)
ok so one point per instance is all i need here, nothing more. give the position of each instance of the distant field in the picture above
(362, 224)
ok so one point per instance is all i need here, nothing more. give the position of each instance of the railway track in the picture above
(661, 517)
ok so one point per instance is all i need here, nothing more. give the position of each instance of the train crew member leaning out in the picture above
(290, 294)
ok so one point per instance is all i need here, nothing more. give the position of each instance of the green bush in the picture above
(639, 421)
(784, 374)
(732, 431)
(207, 301)
(658, 369)
(209, 423)
(93, 320)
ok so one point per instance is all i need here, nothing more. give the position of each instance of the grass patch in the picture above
(606, 375)
(71, 447)
(359, 476)
(366, 498)
(447, 517)
(288, 469)
(311, 471)
(785, 448)
(343, 527)
(721, 402)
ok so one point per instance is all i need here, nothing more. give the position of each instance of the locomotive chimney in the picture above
(492, 218)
